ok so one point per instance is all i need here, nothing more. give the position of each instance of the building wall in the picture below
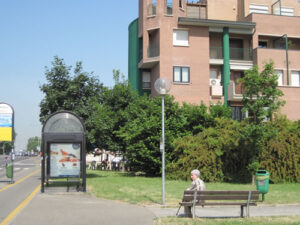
(196, 55)
(222, 10)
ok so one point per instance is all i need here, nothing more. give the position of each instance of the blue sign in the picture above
(5, 121)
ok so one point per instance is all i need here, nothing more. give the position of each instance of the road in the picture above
(3, 162)
(26, 177)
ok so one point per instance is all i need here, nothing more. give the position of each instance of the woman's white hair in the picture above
(196, 172)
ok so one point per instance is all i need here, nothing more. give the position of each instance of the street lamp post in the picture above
(162, 87)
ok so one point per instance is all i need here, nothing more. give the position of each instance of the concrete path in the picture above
(223, 211)
(72, 208)
(78, 208)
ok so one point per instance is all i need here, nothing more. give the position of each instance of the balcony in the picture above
(235, 92)
(196, 10)
(278, 56)
(235, 53)
(152, 57)
(274, 24)
(153, 51)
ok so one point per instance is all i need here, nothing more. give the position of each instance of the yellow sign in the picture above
(6, 122)
(5, 133)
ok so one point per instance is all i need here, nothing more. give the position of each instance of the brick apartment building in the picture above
(204, 47)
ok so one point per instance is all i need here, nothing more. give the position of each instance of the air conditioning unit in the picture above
(214, 82)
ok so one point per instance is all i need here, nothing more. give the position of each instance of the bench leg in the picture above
(178, 210)
(248, 211)
(242, 211)
(194, 212)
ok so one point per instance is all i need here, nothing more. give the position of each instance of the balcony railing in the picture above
(216, 52)
(153, 51)
(146, 85)
(241, 54)
(235, 53)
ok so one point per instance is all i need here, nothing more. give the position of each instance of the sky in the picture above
(32, 32)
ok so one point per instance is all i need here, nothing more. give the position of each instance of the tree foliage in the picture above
(33, 143)
(64, 91)
(261, 97)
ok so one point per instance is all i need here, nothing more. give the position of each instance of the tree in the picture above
(33, 143)
(65, 92)
(77, 93)
(141, 133)
(261, 97)
(108, 116)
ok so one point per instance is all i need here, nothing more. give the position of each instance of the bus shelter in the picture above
(63, 150)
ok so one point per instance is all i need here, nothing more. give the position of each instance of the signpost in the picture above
(7, 134)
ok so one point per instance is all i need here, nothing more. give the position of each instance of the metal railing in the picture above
(241, 54)
(216, 52)
(235, 53)
(146, 85)
(153, 51)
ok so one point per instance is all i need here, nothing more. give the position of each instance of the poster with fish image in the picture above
(65, 160)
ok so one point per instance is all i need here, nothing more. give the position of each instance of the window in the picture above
(146, 80)
(295, 79)
(152, 8)
(287, 11)
(263, 44)
(169, 7)
(180, 37)
(213, 74)
(181, 4)
(237, 113)
(263, 9)
(181, 74)
(280, 77)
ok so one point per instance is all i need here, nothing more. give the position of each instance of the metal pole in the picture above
(287, 58)
(163, 147)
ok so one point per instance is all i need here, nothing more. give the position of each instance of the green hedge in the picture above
(226, 151)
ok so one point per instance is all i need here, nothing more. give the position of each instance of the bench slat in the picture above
(221, 192)
(216, 203)
(202, 196)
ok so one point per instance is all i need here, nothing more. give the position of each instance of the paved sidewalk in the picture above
(72, 208)
(78, 208)
(223, 211)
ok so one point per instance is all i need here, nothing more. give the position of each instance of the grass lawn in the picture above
(146, 190)
(291, 220)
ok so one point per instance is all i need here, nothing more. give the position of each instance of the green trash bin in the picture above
(262, 182)
(9, 170)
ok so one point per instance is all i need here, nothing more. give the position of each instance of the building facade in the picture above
(203, 48)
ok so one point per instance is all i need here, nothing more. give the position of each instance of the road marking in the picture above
(19, 181)
(20, 207)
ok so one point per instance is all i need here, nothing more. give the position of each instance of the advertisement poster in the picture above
(64, 160)
(6, 122)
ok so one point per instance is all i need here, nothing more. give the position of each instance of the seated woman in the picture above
(196, 185)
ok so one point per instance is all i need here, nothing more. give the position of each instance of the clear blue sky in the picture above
(34, 31)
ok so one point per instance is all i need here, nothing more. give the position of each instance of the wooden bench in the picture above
(212, 198)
